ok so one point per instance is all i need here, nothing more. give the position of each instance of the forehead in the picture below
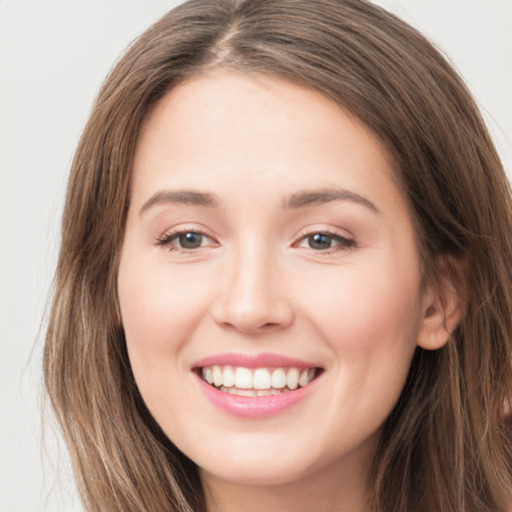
(227, 127)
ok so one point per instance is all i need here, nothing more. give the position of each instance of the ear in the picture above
(442, 309)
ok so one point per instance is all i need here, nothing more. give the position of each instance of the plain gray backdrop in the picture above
(54, 55)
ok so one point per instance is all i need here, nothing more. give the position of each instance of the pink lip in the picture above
(254, 407)
(263, 360)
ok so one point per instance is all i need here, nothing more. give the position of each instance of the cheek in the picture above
(370, 320)
(370, 326)
(357, 309)
(159, 310)
(156, 300)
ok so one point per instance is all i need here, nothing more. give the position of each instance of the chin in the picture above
(258, 472)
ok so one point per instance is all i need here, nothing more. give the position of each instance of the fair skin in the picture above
(265, 220)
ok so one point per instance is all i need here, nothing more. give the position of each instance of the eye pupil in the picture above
(190, 240)
(319, 241)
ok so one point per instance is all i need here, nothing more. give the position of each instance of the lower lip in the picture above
(254, 407)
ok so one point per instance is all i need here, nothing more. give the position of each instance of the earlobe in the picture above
(441, 314)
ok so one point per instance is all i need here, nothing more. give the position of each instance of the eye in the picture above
(189, 240)
(325, 241)
(185, 241)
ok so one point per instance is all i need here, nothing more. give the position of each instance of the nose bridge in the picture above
(251, 298)
(250, 281)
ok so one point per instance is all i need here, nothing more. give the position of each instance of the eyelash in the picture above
(167, 239)
(343, 243)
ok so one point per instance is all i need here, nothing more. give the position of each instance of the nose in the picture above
(252, 298)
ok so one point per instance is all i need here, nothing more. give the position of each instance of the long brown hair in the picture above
(446, 446)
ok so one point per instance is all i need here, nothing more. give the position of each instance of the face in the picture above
(269, 279)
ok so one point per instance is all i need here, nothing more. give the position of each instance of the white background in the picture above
(54, 55)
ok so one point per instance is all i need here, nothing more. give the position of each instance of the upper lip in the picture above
(262, 360)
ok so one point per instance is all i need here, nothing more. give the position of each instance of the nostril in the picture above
(252, 327)
(252, 317)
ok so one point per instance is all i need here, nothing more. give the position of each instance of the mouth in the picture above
(257, 382)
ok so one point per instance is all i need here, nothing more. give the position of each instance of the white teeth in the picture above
(261, 379)
(278, 378)
(257, 382)
(217, 375)
(292, 379)
(246, 392)
(243, 378)
(228, 377)
(208, 375)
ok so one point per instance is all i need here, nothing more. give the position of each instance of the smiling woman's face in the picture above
(268, 250)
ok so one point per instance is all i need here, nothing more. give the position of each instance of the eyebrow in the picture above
(182, 197)
(296, 200)
(314, 197)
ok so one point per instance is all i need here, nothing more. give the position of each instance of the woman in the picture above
(284, 279)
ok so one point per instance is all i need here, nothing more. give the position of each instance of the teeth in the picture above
(261, 379)
(217, 375)
(240, 392)
(243, 378)
(292, 379)
(208, 375)
(246, 392)
(278, 378)
(257, 382)
(228, 377)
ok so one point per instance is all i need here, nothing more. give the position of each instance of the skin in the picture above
(255, 284)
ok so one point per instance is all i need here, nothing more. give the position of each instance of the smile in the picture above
(255, 386)
(256, 382)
